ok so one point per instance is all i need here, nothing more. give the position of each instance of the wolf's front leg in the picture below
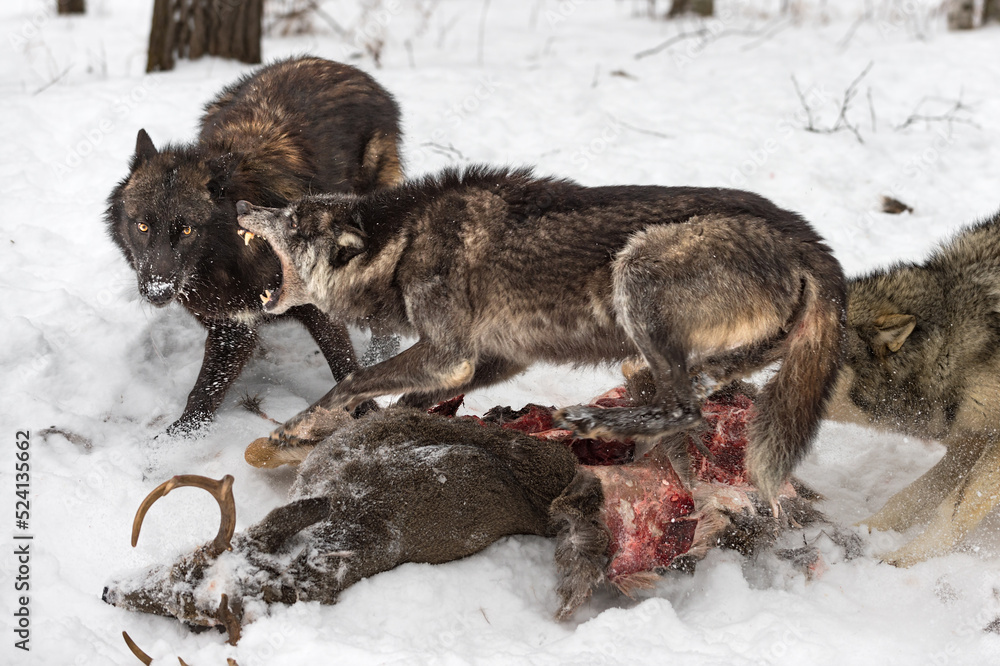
(423, 368)
(960, 512)
(227, 349)
(916, 502)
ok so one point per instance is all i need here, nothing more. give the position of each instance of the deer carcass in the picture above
(402, 485)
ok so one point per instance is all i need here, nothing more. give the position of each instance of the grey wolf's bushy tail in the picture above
(791, 404)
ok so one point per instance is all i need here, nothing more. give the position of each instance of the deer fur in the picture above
(396, 486)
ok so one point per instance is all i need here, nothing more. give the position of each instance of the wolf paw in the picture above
(614, 422)
(580, 419)
(309, 427)
(189, 426)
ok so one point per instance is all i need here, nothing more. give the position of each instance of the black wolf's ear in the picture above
(350, 243)
(220, 171)
(144, 148)
(892, 330)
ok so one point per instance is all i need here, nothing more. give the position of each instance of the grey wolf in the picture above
(923, 359)
(291, 128)
(495, 269)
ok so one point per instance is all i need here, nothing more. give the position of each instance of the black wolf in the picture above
(294, 127)
(923, 358)
(495, 269)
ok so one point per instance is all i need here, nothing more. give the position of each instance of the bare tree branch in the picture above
(950, 115)
(842, 123)
(707, 35)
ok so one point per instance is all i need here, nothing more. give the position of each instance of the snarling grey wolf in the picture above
(295, 127)
(923, 359)
(495, 269)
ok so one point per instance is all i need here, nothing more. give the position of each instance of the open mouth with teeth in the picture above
(269, 298)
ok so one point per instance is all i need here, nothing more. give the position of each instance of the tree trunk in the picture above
(699, 7)
(193, 28)
(71, 6)
(961, 14)
(991, 11)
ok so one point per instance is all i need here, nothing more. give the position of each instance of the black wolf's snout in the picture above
(107, 596)
(158, 291)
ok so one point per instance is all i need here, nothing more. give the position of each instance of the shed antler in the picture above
(221, 490)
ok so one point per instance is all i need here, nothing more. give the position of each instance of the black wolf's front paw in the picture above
(190, 425)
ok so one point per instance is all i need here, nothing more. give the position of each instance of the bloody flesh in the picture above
(648, 511)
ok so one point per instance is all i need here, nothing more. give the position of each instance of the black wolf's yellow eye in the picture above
(293, 223)
(186, 231)
(143, 227)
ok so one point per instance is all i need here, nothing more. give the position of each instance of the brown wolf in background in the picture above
(495, 269)
(923, 358)
(294, 127)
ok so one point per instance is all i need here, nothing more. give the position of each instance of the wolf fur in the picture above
(495, 269)
(395, 486)
(923, 359)
(291, 128)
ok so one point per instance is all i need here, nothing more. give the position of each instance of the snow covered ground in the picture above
(555, 84)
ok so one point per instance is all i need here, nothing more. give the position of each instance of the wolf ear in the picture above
(350, 243)
(220, 171)
(892, 330)
(144, 148)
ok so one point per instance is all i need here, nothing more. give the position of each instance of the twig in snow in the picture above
(842, 122)
(641, 130)
(54, 81)
(871, 109)
(449, 150)
(70, 436)
(253, 404)
(950, 116)
(707, 35)
(767, 34)
(846, 39)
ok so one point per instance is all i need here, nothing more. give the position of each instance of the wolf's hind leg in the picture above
(674, 405)
(960, 512)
